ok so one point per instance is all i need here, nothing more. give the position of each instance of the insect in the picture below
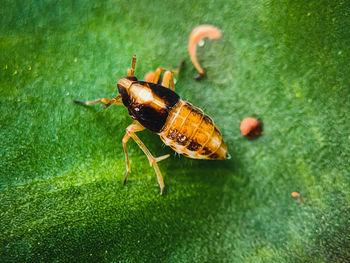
(156, 107)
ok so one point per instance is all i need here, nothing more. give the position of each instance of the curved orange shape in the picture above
(197, 34)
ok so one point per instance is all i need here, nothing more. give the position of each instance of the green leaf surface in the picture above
(62, 165)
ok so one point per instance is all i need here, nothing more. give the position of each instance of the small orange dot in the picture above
(250, 127)
(295, 194)
(149, 76)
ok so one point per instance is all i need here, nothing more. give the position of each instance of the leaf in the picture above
(62, 165)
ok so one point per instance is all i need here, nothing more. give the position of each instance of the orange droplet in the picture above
(250, 127)
(295, 194)
(197, 35)
(149, 76)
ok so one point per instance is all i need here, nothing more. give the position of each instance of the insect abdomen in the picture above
(189, 131)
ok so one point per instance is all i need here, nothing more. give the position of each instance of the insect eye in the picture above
(121, 89)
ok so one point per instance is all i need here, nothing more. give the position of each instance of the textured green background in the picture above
(62, 198)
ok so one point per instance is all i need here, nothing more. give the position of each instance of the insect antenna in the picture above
(131, 71)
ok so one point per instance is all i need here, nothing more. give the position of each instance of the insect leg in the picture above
(134, 127)
(157, 74)
(107, 102)
(168, 78)
(130, 132)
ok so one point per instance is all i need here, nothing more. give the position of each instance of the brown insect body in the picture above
(182, 126)
(156, 107)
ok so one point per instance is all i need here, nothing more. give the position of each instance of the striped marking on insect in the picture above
(156, 107)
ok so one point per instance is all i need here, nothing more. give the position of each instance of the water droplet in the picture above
(201, 43)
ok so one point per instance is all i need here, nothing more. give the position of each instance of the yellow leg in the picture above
(108, 102)
(130, 133)
(157, 74)
(168, 78)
